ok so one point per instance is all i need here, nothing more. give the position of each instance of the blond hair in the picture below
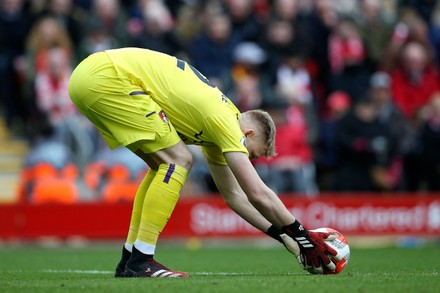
(265, 123)
(58, 38)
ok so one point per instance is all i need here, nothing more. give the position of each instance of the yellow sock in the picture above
(159, 203)
(137, 206)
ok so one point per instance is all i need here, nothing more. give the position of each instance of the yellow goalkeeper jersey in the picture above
(200, 112)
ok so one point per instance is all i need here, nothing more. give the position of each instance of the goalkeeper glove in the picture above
(314, 252)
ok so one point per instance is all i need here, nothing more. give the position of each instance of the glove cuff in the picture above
(295, 229)
(274, 232)
(299, 233)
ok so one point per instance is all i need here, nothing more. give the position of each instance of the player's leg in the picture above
(154, 161)
(135, 221)
(173, 165)
(127, 116)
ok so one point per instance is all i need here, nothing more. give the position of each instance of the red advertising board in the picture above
(355, 215)
(204, 217)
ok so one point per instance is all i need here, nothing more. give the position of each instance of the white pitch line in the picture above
(97, 272)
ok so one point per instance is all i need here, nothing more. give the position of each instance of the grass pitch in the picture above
(213, 269)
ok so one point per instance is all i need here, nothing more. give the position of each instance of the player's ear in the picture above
(249, 132)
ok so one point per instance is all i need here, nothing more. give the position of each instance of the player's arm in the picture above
(235, 198)
(314, 251)
(257, 192)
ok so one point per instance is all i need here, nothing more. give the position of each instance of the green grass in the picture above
(233, 269)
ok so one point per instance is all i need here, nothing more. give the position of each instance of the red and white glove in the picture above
(314, 252)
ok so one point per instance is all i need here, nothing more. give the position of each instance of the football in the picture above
(340, 244)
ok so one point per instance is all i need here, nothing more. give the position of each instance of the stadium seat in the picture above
(70, 171)
(35, 183)
(42, 170)
(116, 192)
(54, 190)
(118, 173)
(93, 174)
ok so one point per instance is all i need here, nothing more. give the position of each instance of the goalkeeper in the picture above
(155, 104)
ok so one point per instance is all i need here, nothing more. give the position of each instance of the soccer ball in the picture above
(340, 244)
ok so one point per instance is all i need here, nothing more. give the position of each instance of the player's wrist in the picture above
(275, 233)
(296, 229)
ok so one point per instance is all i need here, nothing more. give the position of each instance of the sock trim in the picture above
(144, 247)
(129, 247)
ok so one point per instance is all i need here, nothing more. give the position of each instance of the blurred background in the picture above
(353, 86)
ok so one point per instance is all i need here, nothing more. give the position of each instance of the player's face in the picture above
(256, 147)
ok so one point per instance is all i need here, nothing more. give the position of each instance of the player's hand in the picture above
(314, 258)
(292, 247)
(315, 253)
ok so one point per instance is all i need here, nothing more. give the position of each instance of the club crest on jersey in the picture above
(163, 116)
(243, 141)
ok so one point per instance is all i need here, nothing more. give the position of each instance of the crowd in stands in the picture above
(353, 85)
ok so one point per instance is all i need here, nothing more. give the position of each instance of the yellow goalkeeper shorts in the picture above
(123, 112)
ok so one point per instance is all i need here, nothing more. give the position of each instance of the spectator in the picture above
(68, 15)
(14, 26)
(293, 169)
(409, 28)
(188, 23)
(96, 39)
(400, 129)
(51, 93)
(212, 50)
(414, 80)
(423, 8)
(45, 34)
(323, 20)
(388, 112)
(114, 19)
(337, 105)
(52, 99)
(157, 33)
(347, 56)
(365, 149)
(375, 30)
(293, 84)
(290, 11)
(346, 7)
(287, 29)
(430, 140)
(277, 42)
(293, 79)
(434, 32)
(246, 84)
(244, 20)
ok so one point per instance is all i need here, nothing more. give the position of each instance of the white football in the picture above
(340, 244)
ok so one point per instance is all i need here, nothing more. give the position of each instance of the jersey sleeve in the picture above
(214, 155)
(227, 137)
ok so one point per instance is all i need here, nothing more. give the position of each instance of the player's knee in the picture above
(181, 155)
(186, 160)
